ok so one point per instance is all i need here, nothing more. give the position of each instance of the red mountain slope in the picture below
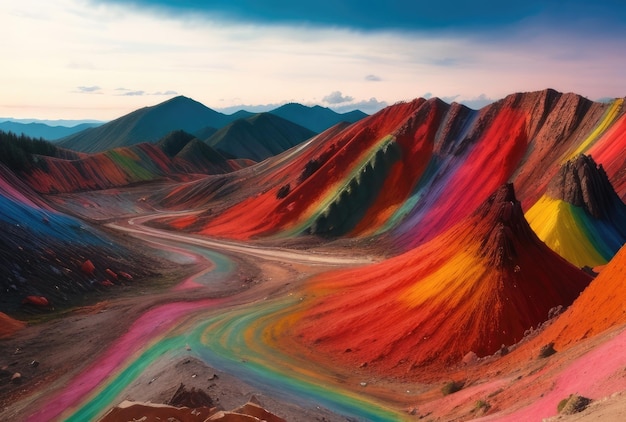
(477, 286)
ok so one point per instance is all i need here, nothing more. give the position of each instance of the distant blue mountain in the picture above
(316, 118)
(149, 124)
(42, 130)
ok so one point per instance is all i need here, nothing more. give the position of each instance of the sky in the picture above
(101, 59)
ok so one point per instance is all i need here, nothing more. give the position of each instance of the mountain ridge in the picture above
(315, 118)
(151, 123)
(42, 130)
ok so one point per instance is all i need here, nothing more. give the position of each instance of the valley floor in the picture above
(199, 326)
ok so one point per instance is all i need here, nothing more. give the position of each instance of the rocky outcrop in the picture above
(503, 212)
(583, 183)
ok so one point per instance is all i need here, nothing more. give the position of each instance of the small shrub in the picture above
(547, 350)
(283, 191)
(309, 168)
(482, 405)
(573, 404)
(452, 387)
(562, 403)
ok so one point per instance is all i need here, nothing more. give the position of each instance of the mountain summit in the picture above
(148, 124)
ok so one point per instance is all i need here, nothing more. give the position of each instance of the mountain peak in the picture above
(583, 183)
(507, 226)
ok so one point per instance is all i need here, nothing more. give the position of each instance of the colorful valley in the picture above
(427, 262)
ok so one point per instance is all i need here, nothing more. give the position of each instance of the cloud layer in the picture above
(228, 57)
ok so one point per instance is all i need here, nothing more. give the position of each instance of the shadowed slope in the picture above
(45, 131)
(191, 155)
(258, 137)
(580, 216)
(477, 286)
(42, 251)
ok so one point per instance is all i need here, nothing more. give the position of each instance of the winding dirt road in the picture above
(136, 226)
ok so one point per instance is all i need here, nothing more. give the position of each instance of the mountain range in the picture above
(45, 131)
(149, 124)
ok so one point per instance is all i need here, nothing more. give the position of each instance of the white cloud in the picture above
(370, 106)
(88, 89)
(336, 97)
(133, 93)
(477, 102)
(170, 92)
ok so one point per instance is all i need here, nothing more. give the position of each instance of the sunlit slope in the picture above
(580, 217)
(326, 185)
(8, 325)
(610, 150)
(190, 155)
(258, 137)
(112, 168)
(461, 179)
(409, 172)
(50, 169)
(479, 285)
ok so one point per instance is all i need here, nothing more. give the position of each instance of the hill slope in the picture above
(191, 155)
(148, 124)
(258, 137)
(477, 286)
(580, 216)
(42, 251)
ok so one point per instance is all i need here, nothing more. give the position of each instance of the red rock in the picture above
(39, 301)
(111, 273)
(125, 275)
(88, 268)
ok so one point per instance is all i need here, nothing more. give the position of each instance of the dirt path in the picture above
(78, 342)
(136, 226)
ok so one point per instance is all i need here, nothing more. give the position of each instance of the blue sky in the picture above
(100, 59)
